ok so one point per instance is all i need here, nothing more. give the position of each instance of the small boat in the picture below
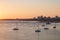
(15, 29)
(46, 28)
(37, 30)
(43, 25)
(48, 23)
(54, 27)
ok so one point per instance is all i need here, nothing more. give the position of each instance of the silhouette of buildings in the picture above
(48, 19)
(38, 18)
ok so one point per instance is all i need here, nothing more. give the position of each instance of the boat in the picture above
(54, 27)
(46, 28)
(48, 23)
(15, 27)
(43, 25)
(37, 30)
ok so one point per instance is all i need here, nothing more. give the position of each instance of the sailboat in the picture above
(46, 28)
(54, 26)
(38, 30)
(15, 27)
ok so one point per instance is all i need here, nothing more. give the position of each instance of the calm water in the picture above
(27, 31)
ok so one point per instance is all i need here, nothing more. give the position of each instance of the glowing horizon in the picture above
(11, 9)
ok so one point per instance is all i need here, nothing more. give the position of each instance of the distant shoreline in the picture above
(19, 20)
(28, 20)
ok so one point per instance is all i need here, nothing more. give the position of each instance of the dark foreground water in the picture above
(27, 31)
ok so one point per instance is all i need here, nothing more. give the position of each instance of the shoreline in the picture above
(29, 20)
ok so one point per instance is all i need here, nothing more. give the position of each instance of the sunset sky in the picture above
(28, 8)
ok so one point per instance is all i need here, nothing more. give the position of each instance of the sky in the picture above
(11, 9)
